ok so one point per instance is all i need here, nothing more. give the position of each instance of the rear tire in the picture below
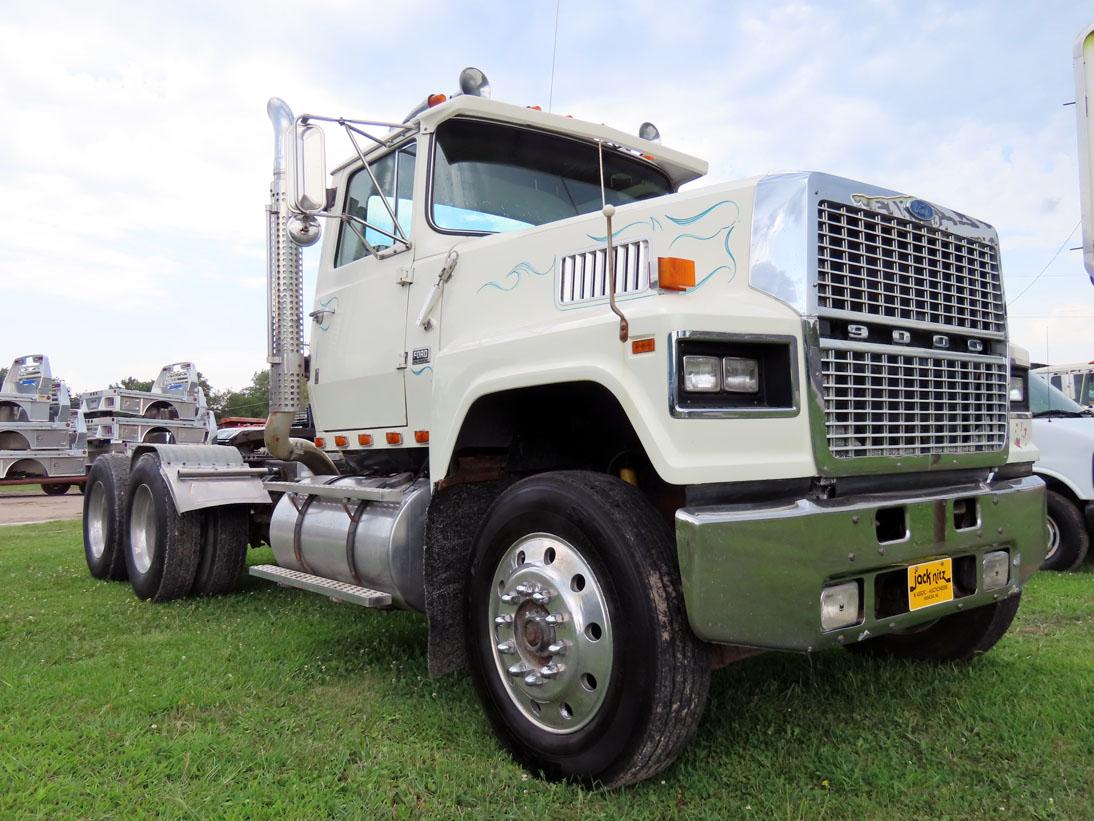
(1068, 540)
(104, 517)
(55, 490)
(955, 638)
(223, 551)
(163, 548)
(616, 682)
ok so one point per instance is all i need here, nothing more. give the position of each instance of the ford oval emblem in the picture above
(921, 209)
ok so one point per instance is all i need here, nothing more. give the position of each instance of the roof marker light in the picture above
(435, 99)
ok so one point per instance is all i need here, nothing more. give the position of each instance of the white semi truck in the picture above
(604, 433)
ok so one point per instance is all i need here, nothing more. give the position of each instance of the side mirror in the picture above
(306, 168)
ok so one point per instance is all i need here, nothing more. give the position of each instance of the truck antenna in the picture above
(608, 210)
(554, 51)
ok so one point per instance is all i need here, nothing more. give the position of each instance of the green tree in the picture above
(252, 400)
(131, 383)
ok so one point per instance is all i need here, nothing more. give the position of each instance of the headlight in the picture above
(702, 374)
(1017, 389)
(726, 375)
(740, 375)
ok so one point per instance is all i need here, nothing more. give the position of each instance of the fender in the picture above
(203, 476)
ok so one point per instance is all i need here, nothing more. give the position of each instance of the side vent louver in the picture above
(584, 277)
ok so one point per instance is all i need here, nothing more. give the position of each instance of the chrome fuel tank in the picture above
(366, 543)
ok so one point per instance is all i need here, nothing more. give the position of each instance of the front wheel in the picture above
(579, 644)
(55, 490)
(954, 638)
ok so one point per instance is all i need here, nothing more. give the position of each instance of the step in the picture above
(368, 494)
(325, 587)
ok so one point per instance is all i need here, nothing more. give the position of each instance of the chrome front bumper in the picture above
(753, 575)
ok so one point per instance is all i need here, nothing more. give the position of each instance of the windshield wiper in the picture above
(1057, 412)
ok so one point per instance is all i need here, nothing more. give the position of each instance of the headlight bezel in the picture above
(776, 358)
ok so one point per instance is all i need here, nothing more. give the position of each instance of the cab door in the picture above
(360, 309)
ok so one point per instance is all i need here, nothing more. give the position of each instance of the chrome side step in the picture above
(351, 593)
(368, 494)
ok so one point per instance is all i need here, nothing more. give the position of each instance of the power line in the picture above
(1038, 277)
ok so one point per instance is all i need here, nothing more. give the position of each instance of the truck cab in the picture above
(606, 433)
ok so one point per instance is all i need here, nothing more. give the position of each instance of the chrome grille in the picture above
(879, 265)
(584, 277)
(904, 404)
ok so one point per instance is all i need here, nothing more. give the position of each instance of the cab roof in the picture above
(680, 167)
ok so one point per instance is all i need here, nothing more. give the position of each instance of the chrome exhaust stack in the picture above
(285, 313)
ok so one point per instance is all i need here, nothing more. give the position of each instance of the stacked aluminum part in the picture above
(173, 412)
(40, 435)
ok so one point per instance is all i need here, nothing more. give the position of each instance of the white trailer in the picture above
(174, 411)
(604, 433)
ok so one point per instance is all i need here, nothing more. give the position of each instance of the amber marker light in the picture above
(394, 438)
(435, 99)
(643, 345)
(675, 273)
(320, 442)
(341, 441)
(421, 437)
(364, 439)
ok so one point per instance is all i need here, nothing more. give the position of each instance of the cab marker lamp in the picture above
(364, 439)
(435, 99)
(675, 273)
(341, 441)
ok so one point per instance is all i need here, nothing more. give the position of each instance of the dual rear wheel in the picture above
(133, 531)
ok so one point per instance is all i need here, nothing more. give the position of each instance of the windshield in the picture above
(1044, 398)
(490, 177)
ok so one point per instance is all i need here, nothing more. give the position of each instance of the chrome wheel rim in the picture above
(1053, 538)
(550, 632)
(142, 529)
(96, 520)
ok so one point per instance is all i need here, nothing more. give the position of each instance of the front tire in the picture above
(1068, 540)
(104, 517)
(163, 548)
(958, 637)
(55, 490)
(579, 645)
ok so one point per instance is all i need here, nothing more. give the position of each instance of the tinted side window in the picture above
(363, 200)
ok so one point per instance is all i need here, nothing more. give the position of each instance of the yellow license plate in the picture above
(930, 583)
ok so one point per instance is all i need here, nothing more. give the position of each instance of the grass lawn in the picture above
(279, 703)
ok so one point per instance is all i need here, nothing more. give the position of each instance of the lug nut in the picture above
(507, 648)
(510, 598)
(541, 597)
(506, 618)
(533, 680)
(555, 618)
(518, 669)
(550, 670)
(557, 648)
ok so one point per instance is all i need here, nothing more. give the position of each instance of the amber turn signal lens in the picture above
(435, 99)
(394, 438)
(675, 273)
(341, 441)
(421, 437)
(364, 439)
(320, 442)
(642, 345)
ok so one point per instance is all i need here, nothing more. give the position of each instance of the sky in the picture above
(135, 154)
